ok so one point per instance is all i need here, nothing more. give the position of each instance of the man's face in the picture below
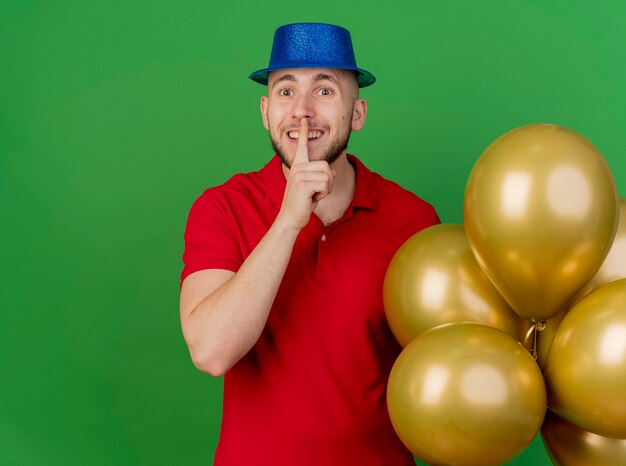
(326, 97)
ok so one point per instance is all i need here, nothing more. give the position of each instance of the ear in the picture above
(358, 114)
(264, 104)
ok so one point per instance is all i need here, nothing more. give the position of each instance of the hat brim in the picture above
(364, 78)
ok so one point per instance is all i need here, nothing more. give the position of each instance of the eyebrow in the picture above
(325, 77)
(285, 77)
(318, 77)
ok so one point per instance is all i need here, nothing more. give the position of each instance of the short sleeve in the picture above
(434, 217)
(210, 242)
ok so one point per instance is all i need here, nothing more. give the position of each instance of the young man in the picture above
(282, 286)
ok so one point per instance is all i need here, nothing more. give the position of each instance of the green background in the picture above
(114, 116)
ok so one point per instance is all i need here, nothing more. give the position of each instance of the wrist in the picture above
(285, 228)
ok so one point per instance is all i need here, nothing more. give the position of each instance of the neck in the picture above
(333, 206)
(344, 183)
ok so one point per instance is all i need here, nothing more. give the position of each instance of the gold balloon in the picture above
(614, 266)
(569, 445)
(540, 214)
(466, 394)
(434, 279)
(585, 369)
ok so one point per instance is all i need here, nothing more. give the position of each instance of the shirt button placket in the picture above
(322, 269)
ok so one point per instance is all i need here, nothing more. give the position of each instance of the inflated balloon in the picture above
(614, 266)
(545, 337)
(434, 279)
(466, 394)
(569, 445)
(585, 369)
(540, 213)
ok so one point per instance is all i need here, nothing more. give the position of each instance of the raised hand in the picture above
(308, 182)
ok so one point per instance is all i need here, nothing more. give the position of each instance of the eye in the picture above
(285, 92)
(325, 91)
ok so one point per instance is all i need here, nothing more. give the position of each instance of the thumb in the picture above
(302, 151)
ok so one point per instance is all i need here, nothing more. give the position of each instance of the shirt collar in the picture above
(365, 193)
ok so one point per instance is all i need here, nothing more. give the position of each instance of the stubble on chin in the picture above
(331, 153)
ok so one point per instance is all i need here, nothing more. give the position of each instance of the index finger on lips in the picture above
(302, 151)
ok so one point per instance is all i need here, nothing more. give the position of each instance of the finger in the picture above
(320, 166)
(319, 190)
(302, 151)
(319, 196)
(306, 176)
(313, 171)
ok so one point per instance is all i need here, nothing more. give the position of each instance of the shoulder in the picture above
(242, 186)
(400, 203)
(239, 183)
(391, 189)
(394, 197)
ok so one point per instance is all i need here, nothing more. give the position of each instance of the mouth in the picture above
(312, 135)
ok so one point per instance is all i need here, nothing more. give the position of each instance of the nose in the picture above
(303, 107)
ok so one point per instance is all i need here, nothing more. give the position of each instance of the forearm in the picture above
(223, 327)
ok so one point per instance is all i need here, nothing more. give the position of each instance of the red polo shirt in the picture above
(312, 389)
